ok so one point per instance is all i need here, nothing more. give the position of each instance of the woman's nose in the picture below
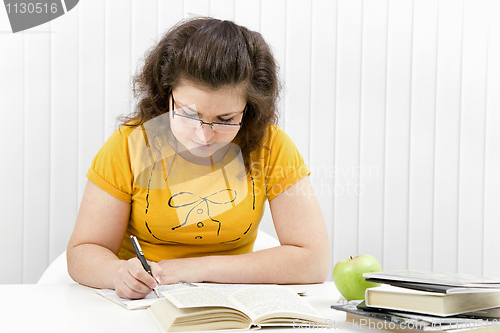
(205, 132)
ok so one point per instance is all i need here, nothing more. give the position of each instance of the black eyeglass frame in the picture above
(204, 122)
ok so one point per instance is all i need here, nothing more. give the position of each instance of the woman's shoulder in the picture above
(274, 135)
(123, 131)
(119, 139)
(275, 140)
(127, 128)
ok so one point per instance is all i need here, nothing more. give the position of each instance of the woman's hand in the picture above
(133, 282)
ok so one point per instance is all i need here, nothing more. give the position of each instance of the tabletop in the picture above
(75, 308)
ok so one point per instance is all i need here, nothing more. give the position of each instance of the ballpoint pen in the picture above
(140, 255)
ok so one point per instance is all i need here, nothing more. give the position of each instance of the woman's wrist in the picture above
(184, 270)
(112, 271)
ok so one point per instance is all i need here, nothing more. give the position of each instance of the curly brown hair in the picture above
(211, 53)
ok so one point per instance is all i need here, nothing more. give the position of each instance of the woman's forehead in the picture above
(228, 99)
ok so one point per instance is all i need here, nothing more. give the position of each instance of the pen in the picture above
(140, 255)
(188, 284)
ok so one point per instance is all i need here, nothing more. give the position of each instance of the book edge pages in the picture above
(398, 275)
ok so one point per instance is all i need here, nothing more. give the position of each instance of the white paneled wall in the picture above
(394, 104)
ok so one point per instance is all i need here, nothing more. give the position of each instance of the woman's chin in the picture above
(201, 152)
(206, 150)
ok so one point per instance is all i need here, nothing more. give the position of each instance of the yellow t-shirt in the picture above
(179, 209)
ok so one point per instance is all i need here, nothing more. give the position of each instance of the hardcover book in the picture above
(436, 278)
(434, 303)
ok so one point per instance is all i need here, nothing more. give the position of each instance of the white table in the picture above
(72, 308)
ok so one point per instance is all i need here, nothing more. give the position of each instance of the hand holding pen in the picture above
(133, 280)
(140, 256)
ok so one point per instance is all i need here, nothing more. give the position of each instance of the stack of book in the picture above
(416, 300)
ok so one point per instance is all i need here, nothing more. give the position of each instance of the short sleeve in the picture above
(110, 168)
(284, 164)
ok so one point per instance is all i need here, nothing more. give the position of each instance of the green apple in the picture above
(348, 275)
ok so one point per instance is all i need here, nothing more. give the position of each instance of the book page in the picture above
(223, 288)
(136, 304)
(197, 297)
(393, 289)
(262, 300)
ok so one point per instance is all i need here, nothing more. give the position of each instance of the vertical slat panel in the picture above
(273, 28)
(143, 34)
(347, 117)
(372, 129)
(471, 199)
(247, 13)
(447, 143)
(399, 46)
(196, 7)
(12, 108)
(222, 9)
(91, 86)
(169, 13)
(64, 172)
(36, 153)
(117, 74)
(491, 247)
(144, 31)
(423, 103)
(322, 114)
(298, 69)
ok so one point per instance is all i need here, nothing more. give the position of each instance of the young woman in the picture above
(189, 172)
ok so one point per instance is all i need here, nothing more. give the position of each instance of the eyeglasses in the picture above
(188, 121)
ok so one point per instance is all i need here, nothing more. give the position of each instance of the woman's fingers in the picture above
(157, 271)
(139, 273)
(133, 282)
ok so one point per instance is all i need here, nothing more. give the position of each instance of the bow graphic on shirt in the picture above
(201, 205)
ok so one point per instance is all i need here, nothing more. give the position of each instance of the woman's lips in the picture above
(203, 145)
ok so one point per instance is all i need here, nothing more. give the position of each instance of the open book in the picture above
(250, 306)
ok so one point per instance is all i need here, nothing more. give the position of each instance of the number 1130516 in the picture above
(31, 8)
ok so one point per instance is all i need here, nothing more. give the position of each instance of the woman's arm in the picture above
(303, 257)
(94, 245)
